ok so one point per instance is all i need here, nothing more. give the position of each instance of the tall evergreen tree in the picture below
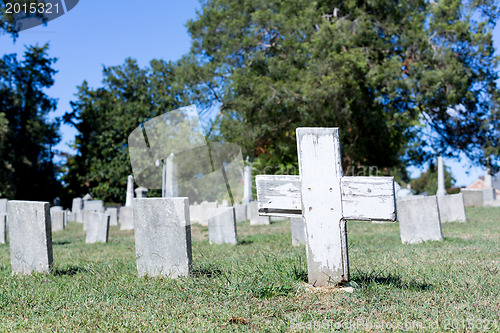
(27, 135)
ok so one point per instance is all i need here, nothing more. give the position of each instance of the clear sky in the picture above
(103, 33)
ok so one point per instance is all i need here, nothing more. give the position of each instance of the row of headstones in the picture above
(202, 213)
(162, 234)
(479, 197)
(420, 217)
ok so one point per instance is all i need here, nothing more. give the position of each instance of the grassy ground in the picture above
(258, 284)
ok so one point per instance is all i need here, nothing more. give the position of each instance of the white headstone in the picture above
(58, 220)
(441, 190)
(171, 186)
(321, 193)
(207, 210)
(298, 231)
(113, 215)
(3, 228)
(222, 227)
(488, 180)
(141, 192)
(247, 184)
(97, 228)
(126, 218)
(162, 236)
(30, 236)
(240, 211)
(253, 214)
(452, 208)
(130, 191)
(419, 219)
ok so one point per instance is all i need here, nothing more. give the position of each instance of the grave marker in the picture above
(58, 220)
(298, 231)
(162, 236)
(97, 228)
(326, 200)
(3, 228)
(419, 219)
(452, 208)
(441, 190)
(30, 236)
(222, 227)
(240, 211)
(253, 214)
(113, 215)
(126, 218)
(247, 184)
(130, 191)
(472, 198)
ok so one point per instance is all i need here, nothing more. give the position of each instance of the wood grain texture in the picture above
(363, 198)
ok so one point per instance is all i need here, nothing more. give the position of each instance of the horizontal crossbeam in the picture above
(363, 198)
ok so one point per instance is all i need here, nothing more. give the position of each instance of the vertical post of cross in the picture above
(320, 176)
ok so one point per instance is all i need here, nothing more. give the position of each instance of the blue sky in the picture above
(98, 33)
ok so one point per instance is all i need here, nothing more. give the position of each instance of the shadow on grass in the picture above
(68, 271)
(61, 242)
(245, 242)
(378, 278)
(206, 272)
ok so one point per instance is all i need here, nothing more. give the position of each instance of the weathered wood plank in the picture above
(320, 173)
(363, 198)
(279, 195)
(368, 198)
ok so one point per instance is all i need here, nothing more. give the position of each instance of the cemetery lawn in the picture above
(259, 284)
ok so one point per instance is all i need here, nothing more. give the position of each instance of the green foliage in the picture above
(104, 118)
(382, 71)
(427, 182)
(26, 135)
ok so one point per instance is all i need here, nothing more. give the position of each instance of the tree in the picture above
(428, 181)
(403, 80)
(104, 118)
(27, 136)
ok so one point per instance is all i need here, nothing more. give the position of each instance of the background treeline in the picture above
(405, 81)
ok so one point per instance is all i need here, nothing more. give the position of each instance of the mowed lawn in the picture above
(259, 284)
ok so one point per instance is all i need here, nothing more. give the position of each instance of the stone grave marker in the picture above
(141, 192)
(207, 210)
(326, 199)
(58, 220)
(113, 215)
(162, 236)
(452, 208)
(94, 205)
(3, 209)
(240, 211)
(247, 184)
(472, 198)
(298, 231)
(76, 206)
(3, 228)
(30, 236)
(97, 228)
(419, 220)
(194, 213)
(126, 218)
(222, 227)
(253, 214)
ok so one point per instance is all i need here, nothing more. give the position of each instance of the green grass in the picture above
(259, 284)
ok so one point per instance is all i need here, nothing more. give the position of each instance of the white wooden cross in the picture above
(326, 200)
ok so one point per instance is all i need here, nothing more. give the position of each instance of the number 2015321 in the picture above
(31, 8)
